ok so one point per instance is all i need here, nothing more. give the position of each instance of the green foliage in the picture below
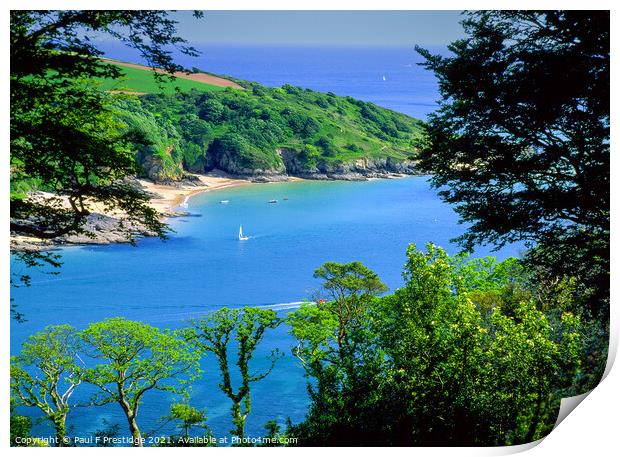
(136, 358)
(247, 326)
(328, 330)
(274, 436)
(235, 148)
(463, 354)
(189, 417)
(467, 352)
(309, 156)
(241, 131)
(154, 141)
(333, 349)
(64, 137)
(493, 380)
(519, 157)
(19, 427)
(44, 375)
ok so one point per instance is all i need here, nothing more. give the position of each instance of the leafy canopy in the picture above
(45, 374)
(136, 358)
(246, 326)
(327, 329)
(188, 417)
(64, 138)
(462, 354)
(520, 143)
(262, 128)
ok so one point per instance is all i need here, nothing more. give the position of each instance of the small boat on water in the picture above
(223, 202)
(183, 204)
(285, 198)
(273, 201)
(242, 237)
(384, 77)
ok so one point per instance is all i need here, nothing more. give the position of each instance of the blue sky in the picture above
(322, 27)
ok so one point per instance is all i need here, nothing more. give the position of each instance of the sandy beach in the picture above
(169, 197)
(103, 224)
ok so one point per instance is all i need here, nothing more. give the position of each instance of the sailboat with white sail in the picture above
(241, 236)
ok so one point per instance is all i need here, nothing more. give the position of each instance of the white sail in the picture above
(241, 237)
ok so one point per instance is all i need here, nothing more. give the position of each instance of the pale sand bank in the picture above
(168, 198)
(103, 224)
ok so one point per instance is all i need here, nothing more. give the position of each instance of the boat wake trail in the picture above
(188, 315)
(283, 306)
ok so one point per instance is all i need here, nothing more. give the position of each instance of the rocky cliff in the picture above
(356, 170)
(291, 165)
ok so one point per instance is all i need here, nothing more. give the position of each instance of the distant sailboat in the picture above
(384, 77)
(184, 203)
(241, 237)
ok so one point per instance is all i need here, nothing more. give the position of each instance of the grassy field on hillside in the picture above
(142, 81)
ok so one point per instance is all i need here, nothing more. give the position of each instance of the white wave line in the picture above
(192, 314)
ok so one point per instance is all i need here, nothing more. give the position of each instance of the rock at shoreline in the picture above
(358, 170)
(107, 229)
(98, 229)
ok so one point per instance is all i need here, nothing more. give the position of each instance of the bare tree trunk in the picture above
(133, 424)
(135, 431)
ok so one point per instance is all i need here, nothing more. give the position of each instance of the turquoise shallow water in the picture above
(204, 266)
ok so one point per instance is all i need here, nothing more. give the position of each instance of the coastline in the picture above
(166, 198)
(169, 197)
(103, 226)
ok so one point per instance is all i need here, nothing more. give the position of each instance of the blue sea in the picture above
(203, 265)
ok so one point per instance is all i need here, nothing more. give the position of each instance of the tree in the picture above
(349, 288)
(247, 326)
(326, 328)
(64, 138)
(460, 355)
(44, 375)
(520, 143)
(137, 358)
(534, 361)
(465, 374)
(188, 417)
(274, 436)
(337, 350)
